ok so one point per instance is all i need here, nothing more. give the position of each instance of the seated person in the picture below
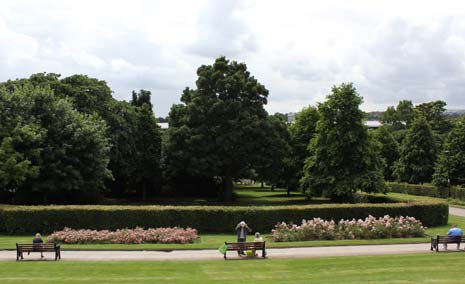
(258, 238)
(454, 233)
(38, 240)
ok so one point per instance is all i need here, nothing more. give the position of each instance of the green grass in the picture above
(448, 268)
(213, 241)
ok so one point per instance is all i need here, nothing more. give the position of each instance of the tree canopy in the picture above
(342, 158)
(218, 130)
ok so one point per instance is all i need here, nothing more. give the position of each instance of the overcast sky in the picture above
(391, 50)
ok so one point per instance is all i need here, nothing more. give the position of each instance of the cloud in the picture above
(391, 50)
(222, 31)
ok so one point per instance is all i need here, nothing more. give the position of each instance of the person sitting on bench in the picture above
(258, 238)
(454, 233)
(38, 240)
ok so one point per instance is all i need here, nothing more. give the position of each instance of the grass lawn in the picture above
(448, 268)
(213, 241)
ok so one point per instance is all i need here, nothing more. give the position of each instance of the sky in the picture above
(390, 50)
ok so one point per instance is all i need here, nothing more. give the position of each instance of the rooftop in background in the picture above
(163, 125)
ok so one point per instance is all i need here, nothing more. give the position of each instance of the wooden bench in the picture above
(436, 241)
(254, 246)
(46, 247)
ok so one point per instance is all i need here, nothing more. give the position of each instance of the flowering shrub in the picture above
(125, 236)
(370, 228)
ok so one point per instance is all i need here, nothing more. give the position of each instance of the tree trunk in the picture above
(144, 191)
(227, 188)
(262, 184)
(272, 187)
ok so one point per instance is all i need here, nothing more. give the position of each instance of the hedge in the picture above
(427, 190)
(45, 219)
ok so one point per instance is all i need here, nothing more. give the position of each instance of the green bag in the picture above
(223, 249)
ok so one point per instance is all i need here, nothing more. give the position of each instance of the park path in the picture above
(303, 252)
(457, 211)
(308, 252)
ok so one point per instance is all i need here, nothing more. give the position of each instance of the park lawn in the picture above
(213, 241)
(448, 268)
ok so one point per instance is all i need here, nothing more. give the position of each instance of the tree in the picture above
(271, 164)
(91, 96)
(301, 131)
(147, 171)
(389, 151)
(450, 165)
(433, 112)
(217, 131)
(417, 154)
(342, 158)
(399, 117)
(62, 152)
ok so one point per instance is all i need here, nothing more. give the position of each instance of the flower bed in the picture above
(125, 236)
(370, 228)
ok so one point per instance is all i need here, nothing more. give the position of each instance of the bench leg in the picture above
(263, 253)
(224, 256)
(17, 255)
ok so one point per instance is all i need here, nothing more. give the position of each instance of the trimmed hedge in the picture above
(427, 190)
(46, 219)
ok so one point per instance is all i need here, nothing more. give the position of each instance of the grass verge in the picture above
(448, 268)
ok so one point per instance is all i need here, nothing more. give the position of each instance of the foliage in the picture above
(219, 129)
(223, 219)
(132, 131)
(60, 154)
(370, 228)
(273, 163)
(433, 112)
(450, 164)
(389, 150)
(125, 236)
(399, 117)
(417, 154)
(342, 157)
(302, 131)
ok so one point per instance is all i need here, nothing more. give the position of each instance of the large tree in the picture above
(417, 154)
(273, 162)
(128, 125)
(389, 150)
(217, 130)
(61, 155)
(342, 158)
(450, 166)
(301, 131)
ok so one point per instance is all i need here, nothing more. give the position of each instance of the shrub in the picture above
(125, 236)
(427, 190)
(46, 219)
(370, 228)
(416, 189)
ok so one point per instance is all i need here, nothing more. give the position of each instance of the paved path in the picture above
(308, 252)
(457, 211)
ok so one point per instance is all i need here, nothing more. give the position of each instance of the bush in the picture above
(417, 189)
(427, 190)
(370, 228)
(125, 236)
(46, 219)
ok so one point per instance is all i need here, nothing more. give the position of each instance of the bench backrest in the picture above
(451, 239)
(44, 246)
(246, 246)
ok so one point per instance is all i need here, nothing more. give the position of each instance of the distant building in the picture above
(373, 123)
(291, 117)
(163, 125)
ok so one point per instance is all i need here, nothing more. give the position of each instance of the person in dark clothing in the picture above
(242, 229)
(38, 240)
